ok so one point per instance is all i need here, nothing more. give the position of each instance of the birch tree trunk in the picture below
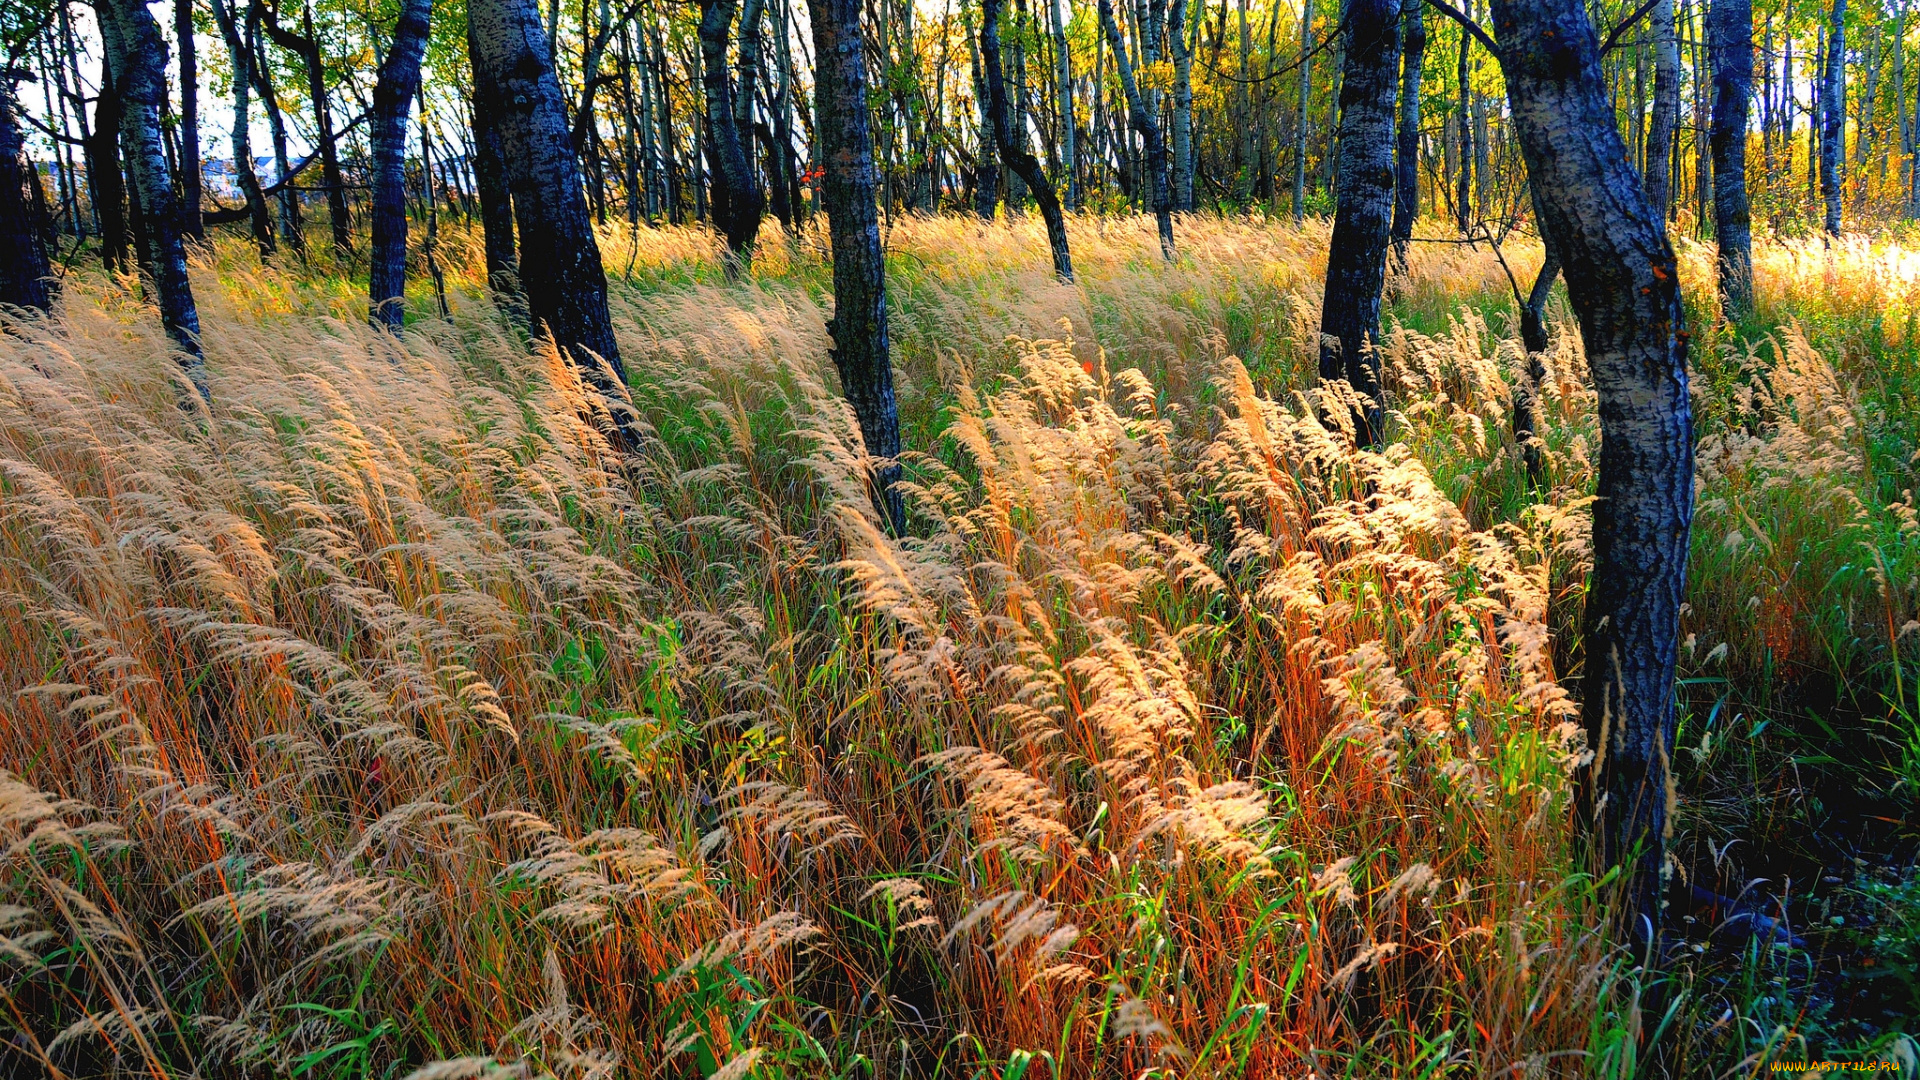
(1363, 193)
(1406, 191)
(1833, 115)
(1147, 124)
(1063, 79)
(1666, 107)
(241, 140)
(1730, 43)
(138, 57)
(1623, 283)
(1182, 47)
(1016, 156)
(560, 270)
(190, 179)
(1300, 119)
(859, 324)
(393, 93)
(738, 202)
(493, 187)
(306, 46)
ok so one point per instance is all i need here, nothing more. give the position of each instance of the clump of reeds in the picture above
(380, 714)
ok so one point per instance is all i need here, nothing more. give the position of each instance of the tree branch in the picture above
(1466, 23)
(1613, 36)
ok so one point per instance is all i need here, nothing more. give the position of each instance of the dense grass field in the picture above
(379, 722)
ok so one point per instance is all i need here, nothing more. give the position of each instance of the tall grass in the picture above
(378, 720)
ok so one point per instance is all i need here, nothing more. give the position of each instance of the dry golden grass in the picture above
(379, 721)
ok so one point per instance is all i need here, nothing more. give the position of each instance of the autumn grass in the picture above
(378, 721)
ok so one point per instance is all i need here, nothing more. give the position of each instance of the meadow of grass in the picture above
(379, 721)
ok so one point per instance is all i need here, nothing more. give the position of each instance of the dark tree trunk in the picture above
(105, 182)
(1147, 125)
(1182, 48)
(859, 324)
(496, 197)
(1406, 190)
(1363, 210)
(560, 270)
(1833, 115)
(138, 57)
(738, 202)
(1463, 132)
(292, 233)
(307, 47)
(393, 95)
(23, 250)
(1533, 338)
(1016, 156)
(1666, 107)
(1730, 41)
(1623, 283)
(986, 169)
(241, 142)
(190, 191)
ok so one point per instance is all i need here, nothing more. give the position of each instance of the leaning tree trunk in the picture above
(1833, 115)
(1363, 211)
(1017, 157)
(859, 323)
(1730, 41)
(393, 95)
(1406, 189)
(738, 202)
(23, 251)
(1623, 283)
(138, 56)
(1666, 107)
(1146, 123)
(307, 47)
(560, 270)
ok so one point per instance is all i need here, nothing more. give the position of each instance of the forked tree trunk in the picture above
(738, 202)
(1146, 123)
(1406, 190)
(1363, 210)
(307, 47)
(1623, 283)
(1666, 106)
(1730, 41)
(560, 270)
(1016, 156)
(393, 95)
(1833, 115)
(859, 324)
(241, 141)
(138, 57)
(23, 251)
